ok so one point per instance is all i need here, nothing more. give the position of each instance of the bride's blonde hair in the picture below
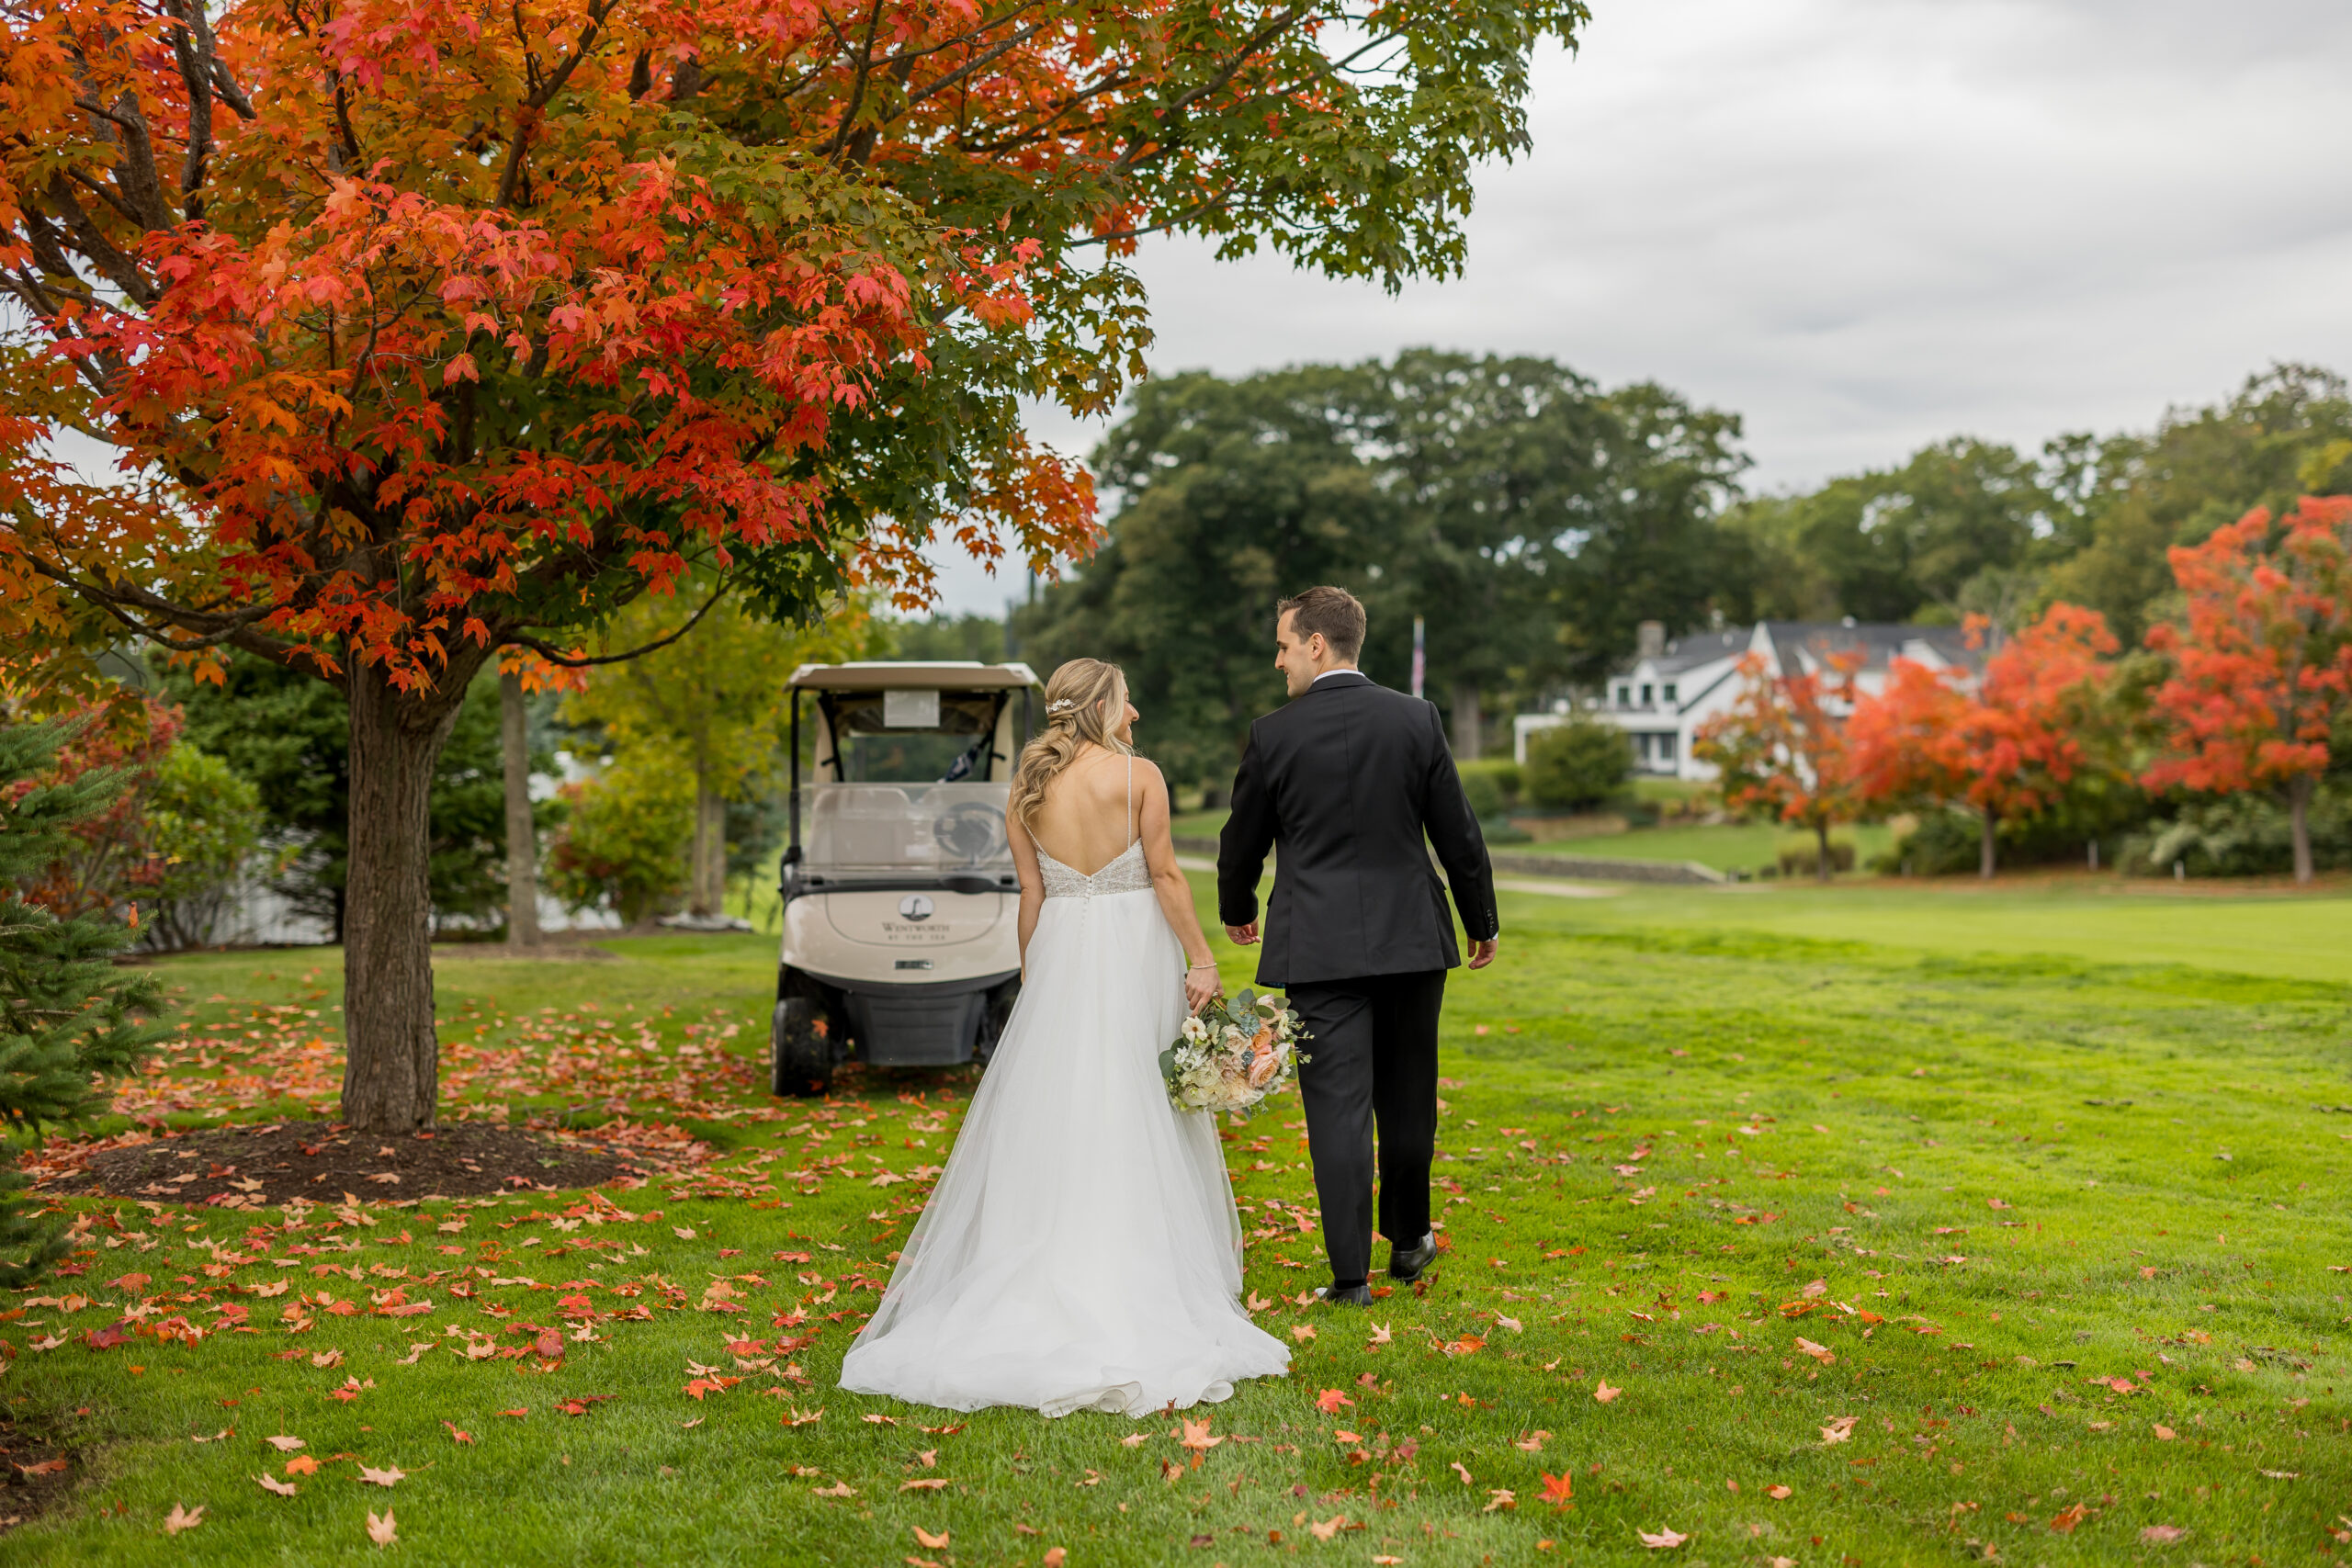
(1086, 700)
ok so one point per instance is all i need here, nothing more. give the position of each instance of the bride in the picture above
(1081, 1251)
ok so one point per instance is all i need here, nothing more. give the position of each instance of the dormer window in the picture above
(1624, 696)
(1645, 695)
(1668, 691)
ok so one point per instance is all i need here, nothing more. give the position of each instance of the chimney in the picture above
(1649, 639)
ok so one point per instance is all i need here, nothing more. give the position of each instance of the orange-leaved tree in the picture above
(413, 331)
(1781, 745)
(2003, 744)
(2262, 660)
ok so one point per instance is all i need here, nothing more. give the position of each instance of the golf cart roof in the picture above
(883, 674)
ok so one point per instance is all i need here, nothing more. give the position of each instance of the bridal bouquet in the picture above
(1233, 1053)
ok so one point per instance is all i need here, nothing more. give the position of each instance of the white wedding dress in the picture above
(1081, 1251)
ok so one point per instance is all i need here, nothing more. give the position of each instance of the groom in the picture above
(1348, 779)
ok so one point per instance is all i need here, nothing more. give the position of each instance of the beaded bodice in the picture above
(1127, 874)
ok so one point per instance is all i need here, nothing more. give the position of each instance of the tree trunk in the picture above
(522, 836)
(1984, 857)
(1821, 832)
(1467, 722)
(2299, 802)
(704, 898)
(391, 1059)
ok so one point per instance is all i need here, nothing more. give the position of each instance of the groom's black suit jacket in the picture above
(1347, 779)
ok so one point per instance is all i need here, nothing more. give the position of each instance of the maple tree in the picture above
(2003, 744)
(418, 333)
(2262, 657)
(1781, 745)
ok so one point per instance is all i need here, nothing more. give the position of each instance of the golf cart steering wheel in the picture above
(971, 833)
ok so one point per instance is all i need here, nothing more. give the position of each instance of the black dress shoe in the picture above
(1406, 1263)
(1345, 1295)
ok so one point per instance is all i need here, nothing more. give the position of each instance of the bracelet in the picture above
(1190, 967)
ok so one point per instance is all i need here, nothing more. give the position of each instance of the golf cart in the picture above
(900, 937)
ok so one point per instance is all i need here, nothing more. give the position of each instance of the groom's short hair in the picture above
(1333, 611)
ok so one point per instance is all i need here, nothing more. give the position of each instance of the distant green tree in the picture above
(1530, 519)
(69, 1018)
(2287, 432)
(1896, 545)
(1577, 765)
(202, 820)
(976, 637)
(290, 736)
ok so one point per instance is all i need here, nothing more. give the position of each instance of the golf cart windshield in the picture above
(940, 829)
(911, 737)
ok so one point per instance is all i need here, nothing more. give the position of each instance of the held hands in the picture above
(1243, 936)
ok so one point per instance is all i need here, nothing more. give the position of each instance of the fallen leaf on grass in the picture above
(2066, 1522)
(1603, 1393)
(1196, 1436)
(329, 1358)
(690, 1426)
(1379, 1335)
(1532, 1443)
(457, 1434)
(1303, 1332)
(1558, 1489)
(1053, 1556)
(1324, 1529)
(1511, 1323)
(1821, 1353)
(924, 1538)
(1777, 1494)
(284, 1445)
(524, 1411)
(46, 1467)
(180, 1519)
(283, 1488)
(701, 1386)
(302, 1465)
(391, 1475)
(1134, 1439)
(1330, 1401)
(1499, 1497)
(1461, 1469)
(2161, 1535)
(795, 1416)
(2163, 1434)
(838, 1489)
(1666, 1540)
(379, 1530)
(1838, 1431)
(1257, 1303)
(879, 1420)
(415, 1354)
(924, 1483)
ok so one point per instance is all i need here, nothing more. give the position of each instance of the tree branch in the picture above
(548, 653)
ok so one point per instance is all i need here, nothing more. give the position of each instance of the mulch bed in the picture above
(35, 1475)
(318, 1162)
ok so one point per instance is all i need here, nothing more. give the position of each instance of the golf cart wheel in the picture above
(800, 1059)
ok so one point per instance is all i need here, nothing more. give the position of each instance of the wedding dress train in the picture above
(1080, 1251)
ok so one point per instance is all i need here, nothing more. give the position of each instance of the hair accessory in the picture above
(1061, 704)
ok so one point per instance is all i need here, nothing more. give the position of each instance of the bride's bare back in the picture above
(1088, 816)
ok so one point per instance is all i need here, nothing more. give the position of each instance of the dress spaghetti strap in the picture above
(1131, 804)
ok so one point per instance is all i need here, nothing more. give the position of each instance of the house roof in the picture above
(1701, 647)
(1879, 642)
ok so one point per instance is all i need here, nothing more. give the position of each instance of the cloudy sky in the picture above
(1866, 224)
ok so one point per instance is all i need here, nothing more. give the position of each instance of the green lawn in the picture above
(1738, 846)
(1908, 1225)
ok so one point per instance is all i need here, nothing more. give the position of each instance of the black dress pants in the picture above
(1373, 1071)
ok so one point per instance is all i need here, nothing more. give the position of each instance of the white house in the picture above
(1674, 686)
